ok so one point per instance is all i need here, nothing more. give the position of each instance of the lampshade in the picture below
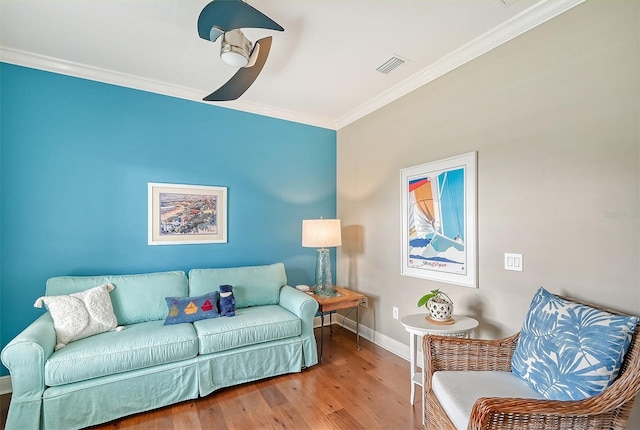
(321, 233)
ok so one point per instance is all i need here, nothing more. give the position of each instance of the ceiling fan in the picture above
(225, 18)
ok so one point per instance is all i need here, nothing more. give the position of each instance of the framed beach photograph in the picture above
(439, 232)
(187, 214)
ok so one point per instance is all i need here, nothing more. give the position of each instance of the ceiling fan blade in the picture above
(244, 77)
(255, 53)
(225, 15)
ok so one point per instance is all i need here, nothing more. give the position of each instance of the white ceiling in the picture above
(321, 69)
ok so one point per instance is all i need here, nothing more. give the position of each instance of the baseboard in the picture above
(391, 345)
(327, 319)
(5, 385)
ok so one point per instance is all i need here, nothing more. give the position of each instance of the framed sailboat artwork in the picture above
(439, 213)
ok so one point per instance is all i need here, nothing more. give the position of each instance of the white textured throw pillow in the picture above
(79, 315)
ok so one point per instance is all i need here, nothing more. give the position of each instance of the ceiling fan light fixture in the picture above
(235, 48)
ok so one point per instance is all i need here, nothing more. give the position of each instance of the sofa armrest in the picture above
(25, 357)
(300, 304)
(304, 307)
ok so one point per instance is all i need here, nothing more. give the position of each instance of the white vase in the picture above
(440, 308)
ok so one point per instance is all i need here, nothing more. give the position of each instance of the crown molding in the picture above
(521, 23)
(78, 70)
(283, 114)
(526, 20)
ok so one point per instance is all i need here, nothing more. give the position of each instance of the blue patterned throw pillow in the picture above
(190, 309)
(569, 351)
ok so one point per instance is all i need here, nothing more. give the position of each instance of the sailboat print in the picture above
(436, 222)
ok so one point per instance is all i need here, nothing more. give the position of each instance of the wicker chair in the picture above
(609, 410)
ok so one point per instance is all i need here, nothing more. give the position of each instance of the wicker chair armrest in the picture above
(451, 353)
(514, 413)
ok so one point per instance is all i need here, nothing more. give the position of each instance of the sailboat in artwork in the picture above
(436, 222)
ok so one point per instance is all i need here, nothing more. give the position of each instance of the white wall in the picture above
(554, 115)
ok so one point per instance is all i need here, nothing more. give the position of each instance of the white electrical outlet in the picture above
(364, 302)
(395, 313)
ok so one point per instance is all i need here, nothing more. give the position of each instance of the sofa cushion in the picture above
(570, 351)
(137, 298)
(252, 285)
(190, 309)
(248, 327)
(79, 315)
(136, 347)
(458, 391)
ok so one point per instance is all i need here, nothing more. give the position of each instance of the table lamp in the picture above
(322, 234)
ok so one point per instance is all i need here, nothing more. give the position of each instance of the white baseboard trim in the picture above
(391, 345)
(5, 385)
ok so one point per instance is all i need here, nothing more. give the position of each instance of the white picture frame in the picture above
(439, 220)
(186, 214)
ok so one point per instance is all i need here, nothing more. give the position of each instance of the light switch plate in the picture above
(513, 262)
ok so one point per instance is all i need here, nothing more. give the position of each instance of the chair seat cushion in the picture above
(458, 391)
(248, 327)
(570, 351)
(136, 347)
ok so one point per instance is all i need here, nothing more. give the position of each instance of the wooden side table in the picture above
(344, 299)
(418, 326)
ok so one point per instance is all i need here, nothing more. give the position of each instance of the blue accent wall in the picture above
(76, 156)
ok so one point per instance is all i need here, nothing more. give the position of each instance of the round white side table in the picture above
(417, 325)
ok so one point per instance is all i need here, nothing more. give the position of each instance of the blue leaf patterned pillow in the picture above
(569, 351)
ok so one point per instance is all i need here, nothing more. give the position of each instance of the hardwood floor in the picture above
(350, 389)
(4, 407)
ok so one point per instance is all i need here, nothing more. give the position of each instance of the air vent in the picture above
(391, 64)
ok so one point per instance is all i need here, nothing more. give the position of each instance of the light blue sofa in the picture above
(150, 365)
